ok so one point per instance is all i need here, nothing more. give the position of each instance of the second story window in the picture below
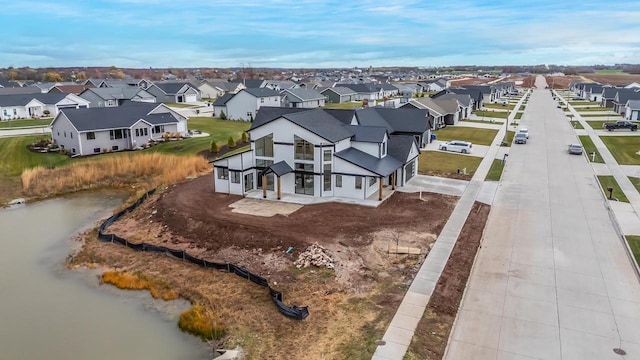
(303, 149)
(264, 146)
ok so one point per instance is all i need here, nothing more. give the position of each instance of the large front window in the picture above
(264, 146)
(327, 177)
(304, 149)
(304, 183)
(117, 134)
(262, 164)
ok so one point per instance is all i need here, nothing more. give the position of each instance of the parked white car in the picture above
(502, 101)
(463, 147)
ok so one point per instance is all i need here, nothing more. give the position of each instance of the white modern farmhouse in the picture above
(325, 153)
(105, 129)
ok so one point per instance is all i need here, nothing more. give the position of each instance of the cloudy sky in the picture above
(310, 33)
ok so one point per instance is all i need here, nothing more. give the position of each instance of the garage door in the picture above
(409, 171)
(191, 98)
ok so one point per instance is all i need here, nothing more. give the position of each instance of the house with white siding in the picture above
(632, 111)
(245, 104)
(326, 153)
(112, 97)
(98, 130)
(171, 91)
(302, 98)
(339, 95)
(26, 106)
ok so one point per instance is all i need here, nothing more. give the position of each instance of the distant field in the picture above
(614, 79)
(609, 71)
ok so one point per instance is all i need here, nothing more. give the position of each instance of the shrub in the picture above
(223, 116)
(214, 147)
(198, 322)
(245, 137)
(231, 142)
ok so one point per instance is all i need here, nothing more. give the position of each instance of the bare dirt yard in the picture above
(613, 79)
(561, 82)
(350, 307)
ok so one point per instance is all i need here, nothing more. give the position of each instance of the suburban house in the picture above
(388, 90)
(621, 98)
(325, 153)
(214, 88)
(475, 94)
(632, 110)
(70, 89)
(633, 85)
(302, 98)
(170, 91)
(435, 85)
(339, 95)
(127, 127)
(279, 85)
(593, 92)
(250, 83)
(365, 91)
(245, 104)
(20, 90)
(437, 113)
(23, 106)
(408, 90)
(112, 97)
(608, 94)
(465, 103)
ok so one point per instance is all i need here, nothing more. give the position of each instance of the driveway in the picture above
(552, 279)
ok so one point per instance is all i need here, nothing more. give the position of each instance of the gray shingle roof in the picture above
(115, 93)
(320, 123)
(399, 146)
(463, 99)
(396, 120)
(267, 114)
(360, 88)
(281, 168)
(262, 92)
(172, 87)
(373, 134)
(344, 115)
(222, 100)
(22, 90)
(23, 99)
(340, 90)
(634, 104)
(301, 94)
(625, 95)
(116, 117)
(382, 167)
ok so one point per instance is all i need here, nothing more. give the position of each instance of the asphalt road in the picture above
(552, 279)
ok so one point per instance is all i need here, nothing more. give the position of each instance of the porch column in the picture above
(264, 186)
(393, 180)
(380, 189)
(279, 192)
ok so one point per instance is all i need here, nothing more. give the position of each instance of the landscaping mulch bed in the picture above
(431, 336)
(223, 150)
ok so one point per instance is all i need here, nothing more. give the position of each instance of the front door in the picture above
(248, 182)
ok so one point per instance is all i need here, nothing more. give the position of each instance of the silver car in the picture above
(463, 147)
(575, 149)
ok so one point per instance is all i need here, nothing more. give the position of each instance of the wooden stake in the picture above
(380, 190)
(279, 192)
(264, 186)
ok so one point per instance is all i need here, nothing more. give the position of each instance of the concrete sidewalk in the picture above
(400, 332)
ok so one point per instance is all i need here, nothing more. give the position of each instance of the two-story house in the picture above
(326, 153)
(245, 104)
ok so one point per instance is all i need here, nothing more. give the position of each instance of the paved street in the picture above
(552, 279)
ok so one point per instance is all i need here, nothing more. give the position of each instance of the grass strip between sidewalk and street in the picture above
(589, 148)
(634, 245)
(607, 181)
(495, 172)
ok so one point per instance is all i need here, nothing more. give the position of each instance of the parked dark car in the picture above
(621, 125)
(520, 138)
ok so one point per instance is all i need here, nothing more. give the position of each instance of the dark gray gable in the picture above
(222, 100)
(381, 167)
(89, 119)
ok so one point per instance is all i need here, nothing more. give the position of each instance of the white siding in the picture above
(244, 105)
(65, 135)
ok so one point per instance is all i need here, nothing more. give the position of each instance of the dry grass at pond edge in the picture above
(151, 170)
(128, 281)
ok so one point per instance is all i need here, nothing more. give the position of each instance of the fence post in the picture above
(111, 238)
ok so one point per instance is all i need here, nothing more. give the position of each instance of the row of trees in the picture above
(231, 143)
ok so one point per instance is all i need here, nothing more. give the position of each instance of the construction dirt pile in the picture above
(315, 255)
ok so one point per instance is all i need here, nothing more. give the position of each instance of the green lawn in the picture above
(16, 157)
(610, 181)
(484, 121)
(584, 103)
(589, 147)
(597, 125)
(443, 163)
(347, 105)
(25, 123)
(623, 148)
(576, 124)
(492, 114)
(180, 105)
(519, 115)
(509, 138)
(592, 109)
(599, 114)
(634, 244)
(218, 130)
(496, 106)
(495, 172)
(473, 135)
